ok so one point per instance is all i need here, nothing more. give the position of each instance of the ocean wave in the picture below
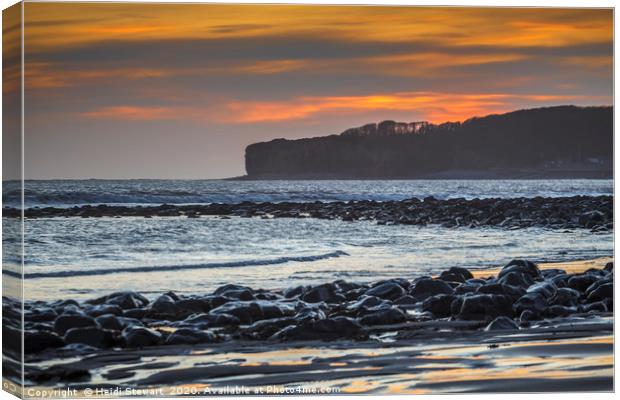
(167, 268)
(155, 192)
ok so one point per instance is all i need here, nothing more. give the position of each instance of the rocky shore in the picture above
(519, 296)
(591, 212)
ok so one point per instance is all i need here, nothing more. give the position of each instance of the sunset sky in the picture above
(178, 91)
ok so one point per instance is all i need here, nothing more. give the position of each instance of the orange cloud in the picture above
(46, 75)
(432, 106)
(435, 107)
(135, 113)
(47, 24)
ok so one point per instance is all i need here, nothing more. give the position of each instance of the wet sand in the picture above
(564, 355)
(571, 267)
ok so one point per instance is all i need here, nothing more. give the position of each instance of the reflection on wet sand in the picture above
(471, 363)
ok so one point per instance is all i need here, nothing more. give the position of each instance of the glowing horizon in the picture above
(218, 77)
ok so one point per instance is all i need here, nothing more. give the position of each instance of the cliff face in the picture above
(533, 138)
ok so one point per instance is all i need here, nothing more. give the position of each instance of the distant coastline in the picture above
(531, 174)
(564, 142)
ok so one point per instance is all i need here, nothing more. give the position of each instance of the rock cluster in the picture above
(519, 294)
(590, 212)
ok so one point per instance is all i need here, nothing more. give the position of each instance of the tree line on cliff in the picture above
(520, 139)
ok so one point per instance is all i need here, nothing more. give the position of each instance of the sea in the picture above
(83, 258)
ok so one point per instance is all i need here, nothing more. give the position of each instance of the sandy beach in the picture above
(446, 355)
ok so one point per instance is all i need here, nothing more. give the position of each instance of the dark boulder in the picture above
(164, 304)
(114, 323)
(598, 284)
(485, 307)
(439, 305)
(37, 341)
(602, 292)
(386, 290)
(103, 309)
(533, 301)
(366, 302)
(592, 218)
(384, 317)
(565, 297)
(345, 286)
(323, 293)
(40, 314)
(522, 266)
(65, 322)
(456, 274)
(91, 336)
(546, 288)
(501, 323)
(560, 311)
(249, 312)
(581, 282)
(266, 328)
(137, 313)
(425, 288)
(295, 292)
(529, 315)
(406, 300)
(109, 321)
(597, 307)
(125, 300)
(193, 305)
(190, 336)
(236, 292)
(203, 321)
(518, 279)
(469, 287)
(323, 329)
(513, 292)
(135, 336)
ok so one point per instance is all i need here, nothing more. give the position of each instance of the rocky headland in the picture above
(589, 212)
(560, 142)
